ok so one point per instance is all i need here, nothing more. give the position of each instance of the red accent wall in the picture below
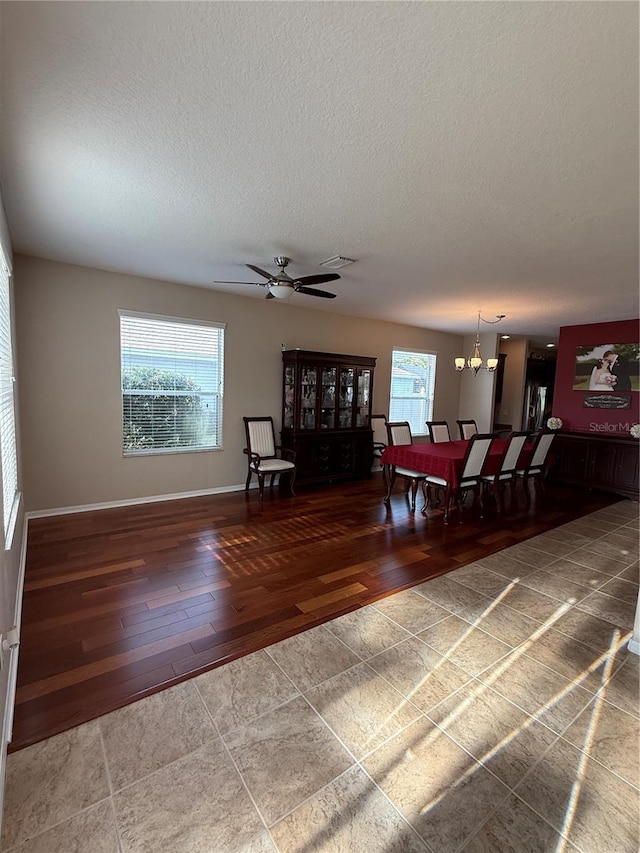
(567, 403)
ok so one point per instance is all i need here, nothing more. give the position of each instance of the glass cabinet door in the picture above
(328, 398)
(364, 398)
(289, 396)
(309, 389)
(345, 409)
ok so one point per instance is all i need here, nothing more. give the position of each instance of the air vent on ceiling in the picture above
(337, 262)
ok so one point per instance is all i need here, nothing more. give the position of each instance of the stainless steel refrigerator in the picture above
(536, 406)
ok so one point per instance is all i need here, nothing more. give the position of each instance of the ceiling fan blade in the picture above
(256, 283)
(312, 292)
(322, 278)
(267, 275)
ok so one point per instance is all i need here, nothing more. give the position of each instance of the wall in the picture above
(509, 410)
(477, 391)
(69, 360)
(567, 403)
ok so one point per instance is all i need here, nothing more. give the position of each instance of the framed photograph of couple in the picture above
(607, 368)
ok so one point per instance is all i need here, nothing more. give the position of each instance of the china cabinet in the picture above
(326, 413)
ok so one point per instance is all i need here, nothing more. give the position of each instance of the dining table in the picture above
(444, 459)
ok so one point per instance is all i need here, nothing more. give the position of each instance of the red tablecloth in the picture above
(444, 459)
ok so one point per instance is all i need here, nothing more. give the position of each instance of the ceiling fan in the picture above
(282, 286)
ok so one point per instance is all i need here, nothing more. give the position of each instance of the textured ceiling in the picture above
(468, 154)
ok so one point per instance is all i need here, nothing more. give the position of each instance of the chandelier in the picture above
(474, 362)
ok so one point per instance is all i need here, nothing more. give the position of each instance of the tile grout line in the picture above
(356, 763)
(15, 847)
(237, 769)
(110, 784)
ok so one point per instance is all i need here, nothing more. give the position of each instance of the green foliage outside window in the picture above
(160, 420)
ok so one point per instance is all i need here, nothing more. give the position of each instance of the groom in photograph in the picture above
(618, 367)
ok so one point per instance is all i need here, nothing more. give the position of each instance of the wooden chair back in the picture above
(438, 431)
(515, 443)
(475, 456)
(380, 437)
(467, 429)
(260, 436)
(541, 449)
(399, 432)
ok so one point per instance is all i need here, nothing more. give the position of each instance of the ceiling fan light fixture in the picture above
(281, 291)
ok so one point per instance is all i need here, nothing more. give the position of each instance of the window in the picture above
(172, 383)
(8, 447)
(413, 377)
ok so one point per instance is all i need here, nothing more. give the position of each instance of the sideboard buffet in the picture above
(597, 461)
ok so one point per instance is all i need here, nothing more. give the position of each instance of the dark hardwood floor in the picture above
(123, 602)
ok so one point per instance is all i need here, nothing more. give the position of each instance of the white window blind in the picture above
(413, 379)
(172, 384)
(8, 449)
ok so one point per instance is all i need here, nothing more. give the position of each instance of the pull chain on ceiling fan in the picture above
(282, 286)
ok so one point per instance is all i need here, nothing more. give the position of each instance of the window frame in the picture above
(427, 401)
(128, 453)
(8, 443)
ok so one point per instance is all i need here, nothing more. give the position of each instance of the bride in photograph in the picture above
(601, 379)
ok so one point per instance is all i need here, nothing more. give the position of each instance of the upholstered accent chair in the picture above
(467, 429)
(265, 456)
(399, 432)
(438, 431)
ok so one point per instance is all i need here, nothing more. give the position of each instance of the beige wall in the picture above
(477, 390)
(509, 411)
(69, 364)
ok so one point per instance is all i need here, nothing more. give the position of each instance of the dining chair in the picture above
(538, 466)
(263, 451)
(506, 471)
(438, 431)
(399, 432)
(380, 439)
(467, 429)
(470, 477)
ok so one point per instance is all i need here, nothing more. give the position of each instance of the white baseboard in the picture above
(176, 496)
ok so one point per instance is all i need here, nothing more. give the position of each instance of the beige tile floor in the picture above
(493, 709)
